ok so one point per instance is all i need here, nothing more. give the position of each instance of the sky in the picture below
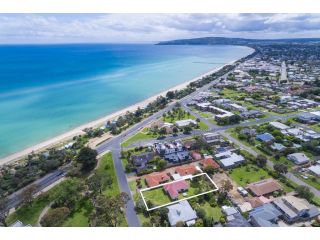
(135, 28)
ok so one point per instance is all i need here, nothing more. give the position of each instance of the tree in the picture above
(187, 129)
(304, 192)
(161, 164)
(55, 217)
(201, 213)
(261, 160)
(175, 130)
(98, 182)
(88, 158)
(226, 186)
(27, 194)
(68, 193)
(4, 211)
(280, 168)
(108, 210)
(209, 169)
(170, 95)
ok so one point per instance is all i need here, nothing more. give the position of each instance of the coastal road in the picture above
(14, 199)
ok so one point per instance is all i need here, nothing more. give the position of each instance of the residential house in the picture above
(298, 158)
(264, 187)
(315, 170)
(186, 170)
(209, 162)
(266, 215)
(186, 122)
(229, 159)
(251, 114)
(181, 212)
(295, 209)
(210, 138)
(265, 137)
(140, 161)
(278, 147)
(156, 178)
(173, 189)
(279, 126)
(234, 217)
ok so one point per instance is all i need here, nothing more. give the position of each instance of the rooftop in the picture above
(181, 211)
(264, 187)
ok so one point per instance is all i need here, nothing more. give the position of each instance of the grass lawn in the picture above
(78, 219)
(175, 118)
(284, 161)
(315, 127)
(203, 126)
(205, 114)
(317, 200)
(106, 165)
(312, 181)
(248, 174)
(212, 120)
(157, 196)
(233, 94)
(212, 212)
(137, 137)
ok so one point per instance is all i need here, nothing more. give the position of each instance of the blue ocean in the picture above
(49, 89)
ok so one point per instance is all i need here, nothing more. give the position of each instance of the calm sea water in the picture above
(46, 90)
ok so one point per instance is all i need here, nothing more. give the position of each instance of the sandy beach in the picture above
(63, 138)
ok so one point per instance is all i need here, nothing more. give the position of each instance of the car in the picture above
(242, 191)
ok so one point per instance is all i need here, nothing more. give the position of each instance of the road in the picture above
(42, 183)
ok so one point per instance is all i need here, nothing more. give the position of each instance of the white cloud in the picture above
(50, 28)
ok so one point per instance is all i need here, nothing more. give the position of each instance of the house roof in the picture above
(298, 158)
(154, 179)
(232, 160)
(264, 187)
(265, 137)
(174, 188)
(258, 201)
(279, 125)
(186, 170)
(315, 169)
(196, 155)
(265, 215)
(181, 211)
(209, 162)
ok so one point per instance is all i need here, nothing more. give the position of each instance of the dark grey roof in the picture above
(265, 215)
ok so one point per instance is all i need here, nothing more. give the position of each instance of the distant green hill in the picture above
(239, 41)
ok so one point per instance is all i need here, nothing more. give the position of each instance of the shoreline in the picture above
(67, 136)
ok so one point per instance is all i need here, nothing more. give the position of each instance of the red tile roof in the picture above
(154, 179)
(186, 170)
(209, 162)
(264, 187)
(174, 188)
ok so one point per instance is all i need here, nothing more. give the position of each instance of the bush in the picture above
(55, 217)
